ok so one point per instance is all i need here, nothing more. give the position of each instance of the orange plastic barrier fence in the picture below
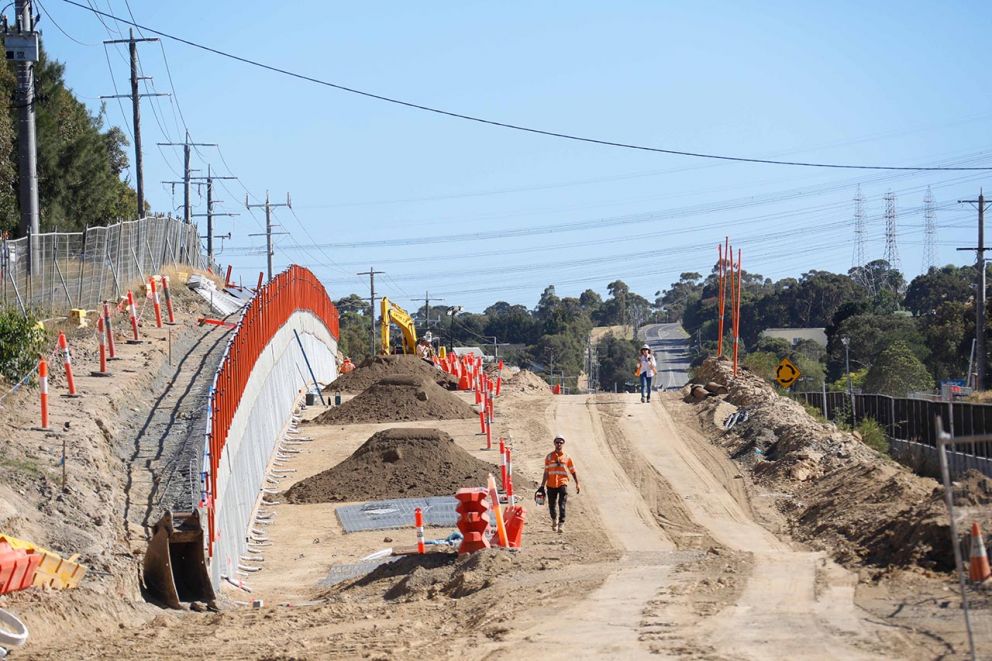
(295, 289)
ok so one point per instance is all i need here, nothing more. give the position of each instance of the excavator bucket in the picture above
(174, 567)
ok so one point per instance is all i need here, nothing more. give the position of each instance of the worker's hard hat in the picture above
(645, 347)
(559, 437)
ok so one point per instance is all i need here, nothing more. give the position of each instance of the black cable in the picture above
(56, 24)
(515, 127)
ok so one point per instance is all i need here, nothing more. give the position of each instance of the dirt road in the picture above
(656, 489)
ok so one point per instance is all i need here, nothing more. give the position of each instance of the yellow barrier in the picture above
(54, 571)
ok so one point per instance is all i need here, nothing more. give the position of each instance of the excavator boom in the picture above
(392, 313)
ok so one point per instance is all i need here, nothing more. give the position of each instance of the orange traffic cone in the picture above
(979, 569)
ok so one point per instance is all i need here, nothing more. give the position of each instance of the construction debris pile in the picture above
(526, 382)
(380, 367)
(397, 399)
(396, 463)
(839, 494)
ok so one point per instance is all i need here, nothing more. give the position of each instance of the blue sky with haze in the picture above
(375, 184)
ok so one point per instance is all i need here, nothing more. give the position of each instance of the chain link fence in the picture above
(58, 271)
(968, 498)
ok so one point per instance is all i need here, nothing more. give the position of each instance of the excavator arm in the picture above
(392, 313)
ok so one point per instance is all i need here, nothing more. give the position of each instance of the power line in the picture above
(514, 127)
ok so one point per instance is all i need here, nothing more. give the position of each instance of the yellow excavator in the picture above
(392, 313)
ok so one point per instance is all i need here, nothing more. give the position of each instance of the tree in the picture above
(617, 359)
(869, 334)
(679, 295)
(897, 372)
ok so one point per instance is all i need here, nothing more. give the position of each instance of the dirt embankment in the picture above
(839, 494)
(525, 382)
(396, 463)
(398, 399)
(382, 367)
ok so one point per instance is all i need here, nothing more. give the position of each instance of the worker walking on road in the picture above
(557, 466)
(646, 369)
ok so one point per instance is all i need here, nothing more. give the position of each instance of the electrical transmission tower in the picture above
(858, 258)
(891, 247)
(929, 232)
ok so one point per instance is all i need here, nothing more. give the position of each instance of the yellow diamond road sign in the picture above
(786, 373)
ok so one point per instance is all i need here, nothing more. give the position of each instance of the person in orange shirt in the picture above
(557, 466)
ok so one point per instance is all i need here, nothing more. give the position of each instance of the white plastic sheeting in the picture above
(262, 417)
(220, 301)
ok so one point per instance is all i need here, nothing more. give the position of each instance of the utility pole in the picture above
(135, 96)
(210, 215)
(980, 298)
(427, 309)
(21, 45)
(268, 206)
(371, 273)
(187, 215)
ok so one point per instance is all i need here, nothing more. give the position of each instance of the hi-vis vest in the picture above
(558, 468)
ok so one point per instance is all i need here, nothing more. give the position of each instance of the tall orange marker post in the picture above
(721, 296)
(418, 521)
(133, 313)
(109, 328)
(67, 362)
(155, 302)
(103, 349)
(43, 378)
(737, 314)
(168, 300)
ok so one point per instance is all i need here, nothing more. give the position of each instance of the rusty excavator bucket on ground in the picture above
(174, 568)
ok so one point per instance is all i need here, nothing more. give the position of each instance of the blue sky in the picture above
(839, 82)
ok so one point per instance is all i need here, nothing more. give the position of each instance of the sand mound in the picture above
(381, 367)
(396, 463)
(396, 399)
(846, 498)
(438, 575)
(526, 382)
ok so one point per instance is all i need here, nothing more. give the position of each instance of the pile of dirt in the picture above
(396, 463)
(397, 399)
(525, 382)
(438, 575)
(842, 496)
(381, 367)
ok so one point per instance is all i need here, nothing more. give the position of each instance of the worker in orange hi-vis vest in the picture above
(557, 466)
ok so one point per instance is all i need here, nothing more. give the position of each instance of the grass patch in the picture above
(23, 466)
(873, 435)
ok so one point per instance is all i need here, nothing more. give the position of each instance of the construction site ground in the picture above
(670, 550)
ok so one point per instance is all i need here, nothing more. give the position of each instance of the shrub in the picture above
(873, 435)
(21, 341)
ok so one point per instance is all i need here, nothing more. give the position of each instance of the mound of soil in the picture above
(381, 367)
(396, 463)
(438, 575)
(845, 498)
(396, 399)
(526, 382)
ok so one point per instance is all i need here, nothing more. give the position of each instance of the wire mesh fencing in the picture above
(59, 271)
(968, 498)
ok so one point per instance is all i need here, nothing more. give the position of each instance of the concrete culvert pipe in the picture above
(13, 633)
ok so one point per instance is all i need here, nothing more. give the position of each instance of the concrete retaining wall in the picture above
(262, 416)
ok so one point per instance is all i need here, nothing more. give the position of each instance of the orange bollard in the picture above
(109, 328)
(103, 349)
(227, 278)
(978, 569)
(514, 520)
(502, 462)
(509, 476)
(43, 378)
(489, 434)
(478, 396)
(418, 521)
(155, 302)
(168, 300)
(261, 275)
(133, 313)
(473, 519)
(67, 361)
(482, 420)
